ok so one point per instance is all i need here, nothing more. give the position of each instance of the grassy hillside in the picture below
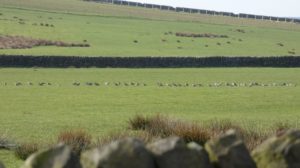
(110, 35)
(92, 8)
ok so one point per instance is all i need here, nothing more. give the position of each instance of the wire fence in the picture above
(198, 11)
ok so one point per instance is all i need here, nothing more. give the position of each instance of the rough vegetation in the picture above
(21, 42)
(24, 150)
(78, 140)
(161, 126)
(119, 135)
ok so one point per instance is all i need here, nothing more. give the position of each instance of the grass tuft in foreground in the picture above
(162, 126)
(114, 136)
(78, 140)
(24, 150)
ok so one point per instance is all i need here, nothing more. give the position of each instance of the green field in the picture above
(91, 8)
(111, 35)
(33, 113)
(39, 113)
(103, 104)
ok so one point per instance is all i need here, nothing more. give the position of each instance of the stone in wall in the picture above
(127, 153)
(228, 151)
(174, 153)
(60, 156)
(281, 151)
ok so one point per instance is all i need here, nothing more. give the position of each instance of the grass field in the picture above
(39, 113)
(102, 104)
(115, 36)
(33, 113)
(91, 8)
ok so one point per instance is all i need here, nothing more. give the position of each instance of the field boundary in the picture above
(146, 62)
(197, 11)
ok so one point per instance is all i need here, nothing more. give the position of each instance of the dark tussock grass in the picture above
(24, 150)
(78, 140)
(162, 126)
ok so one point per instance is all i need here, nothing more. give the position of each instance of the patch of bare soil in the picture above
(204, 35)
(21, 42)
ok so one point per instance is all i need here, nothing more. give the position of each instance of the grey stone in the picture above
(60, 156)
(127, 153)
(174, 153)
(228, 151)
(280, 151)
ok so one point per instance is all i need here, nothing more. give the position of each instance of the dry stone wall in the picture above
(146, 62)
(226, 151)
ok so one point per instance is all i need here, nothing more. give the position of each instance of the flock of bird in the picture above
(159, 84)
(228, 84)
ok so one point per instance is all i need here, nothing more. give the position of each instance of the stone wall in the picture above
(226, 151)
(147, 62)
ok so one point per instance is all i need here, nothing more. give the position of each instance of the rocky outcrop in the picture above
(228, 151)
(128, 153)
(60, 156)
(174, 153)
(280, 151)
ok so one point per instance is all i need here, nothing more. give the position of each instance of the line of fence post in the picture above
(189, 10)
